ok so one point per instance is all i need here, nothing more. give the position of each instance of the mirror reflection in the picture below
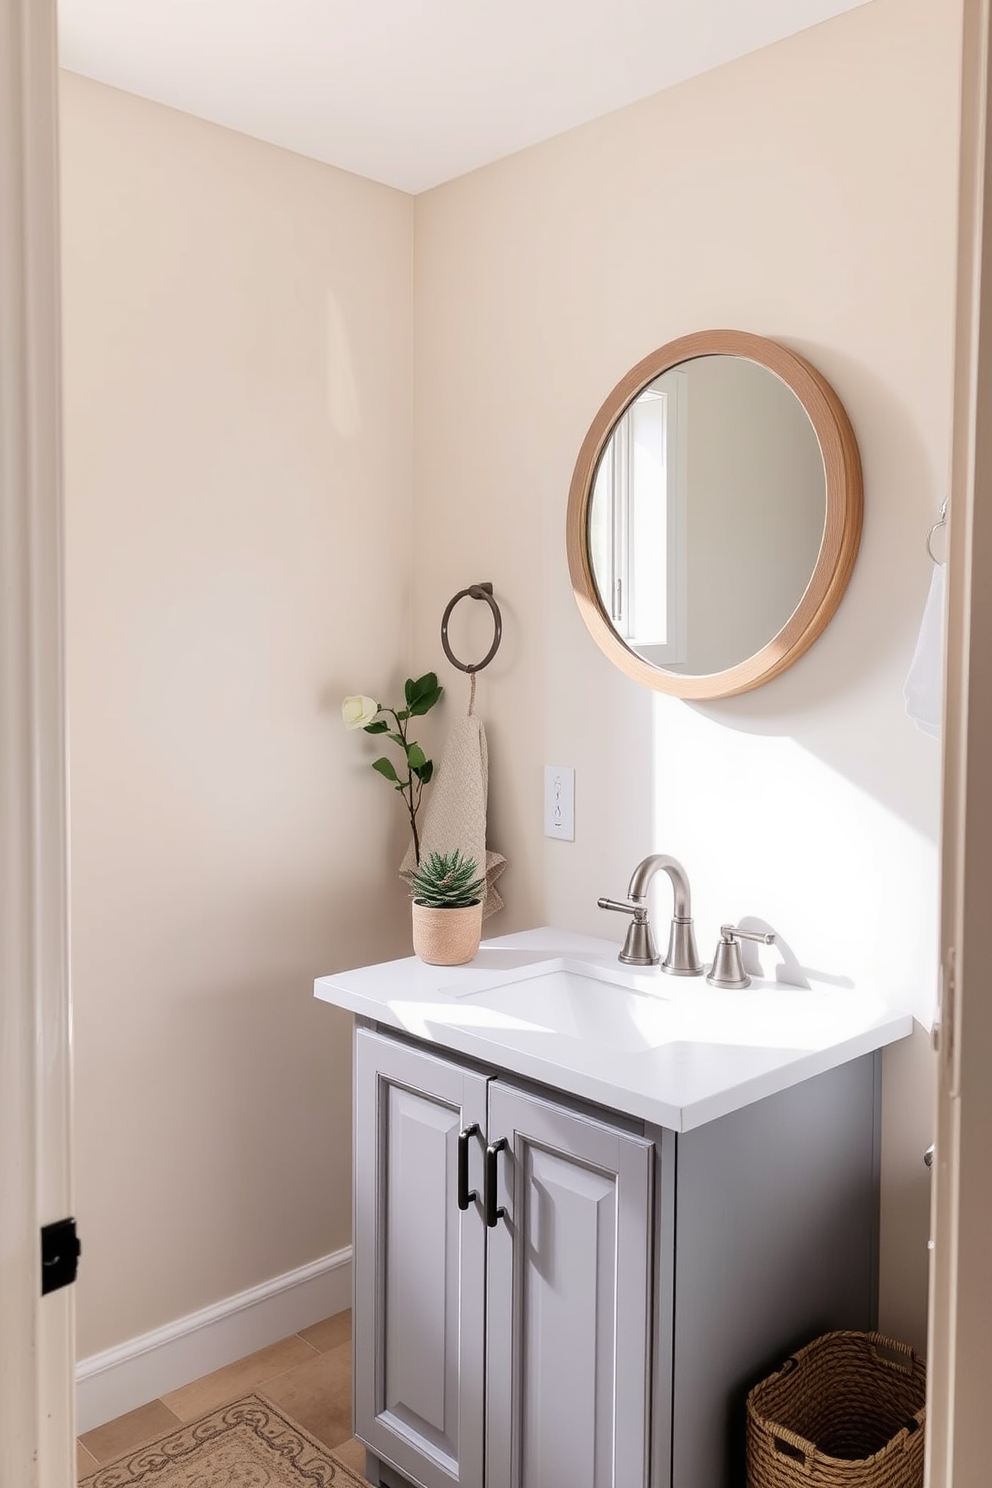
(706, 514)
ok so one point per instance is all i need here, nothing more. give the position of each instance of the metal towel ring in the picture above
(474, 591)
(940, 522)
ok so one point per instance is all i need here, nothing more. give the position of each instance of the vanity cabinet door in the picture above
(419, 1263)
(569, 1300)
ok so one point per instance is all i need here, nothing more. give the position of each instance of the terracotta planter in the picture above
(446, 937)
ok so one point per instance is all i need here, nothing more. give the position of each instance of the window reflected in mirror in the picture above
(637, 523)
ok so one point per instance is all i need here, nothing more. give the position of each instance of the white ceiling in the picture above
(413, 92)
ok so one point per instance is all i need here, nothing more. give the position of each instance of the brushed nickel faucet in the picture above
(639, 948)
(728, 964)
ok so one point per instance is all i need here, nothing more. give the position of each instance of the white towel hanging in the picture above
(925, 680)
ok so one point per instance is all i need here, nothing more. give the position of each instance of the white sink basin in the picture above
(580, 1002)
(632, 1012)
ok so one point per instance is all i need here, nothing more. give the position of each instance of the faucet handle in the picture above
(728, 966)
(623, 906)
(639, 948)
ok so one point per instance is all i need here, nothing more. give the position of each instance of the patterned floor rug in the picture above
(249, 1444)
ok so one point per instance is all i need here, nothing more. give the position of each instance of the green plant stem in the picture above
(407, 788)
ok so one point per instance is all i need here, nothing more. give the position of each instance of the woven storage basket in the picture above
(847, 1411)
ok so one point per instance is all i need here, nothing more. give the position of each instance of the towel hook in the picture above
(474, 591)
(940, 522)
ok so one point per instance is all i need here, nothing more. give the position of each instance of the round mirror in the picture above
(714, 514)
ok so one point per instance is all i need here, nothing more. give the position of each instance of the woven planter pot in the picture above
(847, 1411)
(446, 937)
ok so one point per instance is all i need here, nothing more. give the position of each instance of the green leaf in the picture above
(403, 715)
(379, 727)
(425, 703)
(385, 767)
(398, 739)
(421, 685)
(424, 772)
(408, 690)
(415, 756)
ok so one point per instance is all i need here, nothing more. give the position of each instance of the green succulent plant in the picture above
(446, 881)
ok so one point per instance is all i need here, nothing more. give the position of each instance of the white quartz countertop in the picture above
(559, 1008)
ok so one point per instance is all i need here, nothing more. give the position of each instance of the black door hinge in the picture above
(60, 1250)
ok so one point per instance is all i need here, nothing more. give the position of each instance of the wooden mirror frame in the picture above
(841, 529)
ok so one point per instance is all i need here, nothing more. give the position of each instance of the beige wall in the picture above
(808, 193)
(238, 457)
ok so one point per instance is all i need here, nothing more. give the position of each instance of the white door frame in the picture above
(961, 1269)
(36, 1336)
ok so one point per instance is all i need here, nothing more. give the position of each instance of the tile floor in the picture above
(308, 1374)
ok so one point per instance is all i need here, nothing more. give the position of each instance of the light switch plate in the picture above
(559, 802)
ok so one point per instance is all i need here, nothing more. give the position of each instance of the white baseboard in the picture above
(143, 1368)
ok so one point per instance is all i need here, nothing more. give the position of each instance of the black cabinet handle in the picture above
(464, 1137)
(493, 1214)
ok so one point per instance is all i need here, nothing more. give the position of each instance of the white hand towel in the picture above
(925, 680)
(455, 814)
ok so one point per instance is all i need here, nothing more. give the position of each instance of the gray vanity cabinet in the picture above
(562, 1279)
(419, 1265)
(603, 1330)
(567, 1337)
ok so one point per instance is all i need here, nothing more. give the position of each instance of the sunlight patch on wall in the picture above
(770, 831)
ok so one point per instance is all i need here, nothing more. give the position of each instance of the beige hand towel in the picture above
(455, 814)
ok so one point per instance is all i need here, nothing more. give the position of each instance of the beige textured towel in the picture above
(455, 814)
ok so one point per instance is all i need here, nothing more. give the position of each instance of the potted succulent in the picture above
(447, 908)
